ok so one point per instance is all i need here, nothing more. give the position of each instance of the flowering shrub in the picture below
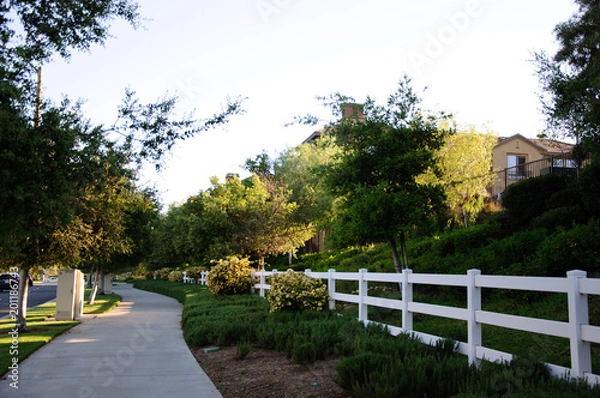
(292, 291)
(230, 276)
(176, 276)
(163, 274)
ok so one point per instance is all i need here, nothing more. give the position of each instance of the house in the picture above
(517, 157)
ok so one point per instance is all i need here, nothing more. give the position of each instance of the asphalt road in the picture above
(38, 294)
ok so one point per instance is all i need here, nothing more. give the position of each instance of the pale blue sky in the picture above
(473, 55)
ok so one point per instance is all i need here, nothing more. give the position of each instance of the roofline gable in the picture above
(504, 140)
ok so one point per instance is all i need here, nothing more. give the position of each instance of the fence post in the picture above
(262, 282)
(473, 305)
(363, 291)
(581, 355)
(407, 297)
(331, 289)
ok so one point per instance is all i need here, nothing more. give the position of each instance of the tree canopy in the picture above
(570, 79)
(463, 170)
(247, 218)
(382, 152)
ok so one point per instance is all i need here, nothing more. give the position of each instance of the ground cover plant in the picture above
(371, 362)
(42, 328)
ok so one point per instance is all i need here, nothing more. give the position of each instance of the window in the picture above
(562, 162)
(516, 166)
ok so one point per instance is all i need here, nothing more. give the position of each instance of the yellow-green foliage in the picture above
(230, 276)
(163, 274)
(176, 276)
(292, 291)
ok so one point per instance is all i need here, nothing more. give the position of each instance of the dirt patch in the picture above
(265, 373)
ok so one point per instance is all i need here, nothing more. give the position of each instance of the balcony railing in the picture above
(561, 166)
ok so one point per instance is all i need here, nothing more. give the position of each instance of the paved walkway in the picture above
(135, 350)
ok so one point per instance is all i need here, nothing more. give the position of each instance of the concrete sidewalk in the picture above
(135, 350)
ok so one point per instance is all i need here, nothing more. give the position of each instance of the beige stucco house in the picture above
(517, 157)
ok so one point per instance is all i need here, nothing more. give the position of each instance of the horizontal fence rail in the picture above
(576, 286)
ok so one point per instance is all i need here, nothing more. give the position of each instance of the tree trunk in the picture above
(464, 218)
(395, 256)
(101, 290)
(94, 289)
(403, 250)
(23, 296)
(90, 279)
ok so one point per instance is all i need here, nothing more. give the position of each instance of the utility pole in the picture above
(38, 100)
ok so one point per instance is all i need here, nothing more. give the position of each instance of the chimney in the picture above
(352, 110)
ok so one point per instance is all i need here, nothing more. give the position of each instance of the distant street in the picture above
(38, 294)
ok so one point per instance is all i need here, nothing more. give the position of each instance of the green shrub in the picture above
(243, 349)
(176, 276)
(163, 274)
(564, 198)
(230, 276)
(515, 250)
(384, 375)
(589, 186)
(559, 217)
(576, 248)
(464, 240)
(149, 275)
(291, 291)
(527, 199)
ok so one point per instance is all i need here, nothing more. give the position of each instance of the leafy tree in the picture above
(194, 232)
(463, 168)
(262, 165)
(571, 78)
(381, 156)
(141, 217)
(262, 219)
(302, 168)
(43, 169)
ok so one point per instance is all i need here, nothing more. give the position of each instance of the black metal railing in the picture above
(561, 166)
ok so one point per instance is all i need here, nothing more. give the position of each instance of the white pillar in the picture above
(407, 297)
(473, 305)
(581, 354)
(331, 289)
(363, 291)
(262, 282)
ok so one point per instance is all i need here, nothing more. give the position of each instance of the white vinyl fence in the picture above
(576, 285)
(201, 280)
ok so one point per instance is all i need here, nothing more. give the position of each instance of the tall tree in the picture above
(302, 169)
(570, 79)
(259, 217)
(463, 170)
(382, 154)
